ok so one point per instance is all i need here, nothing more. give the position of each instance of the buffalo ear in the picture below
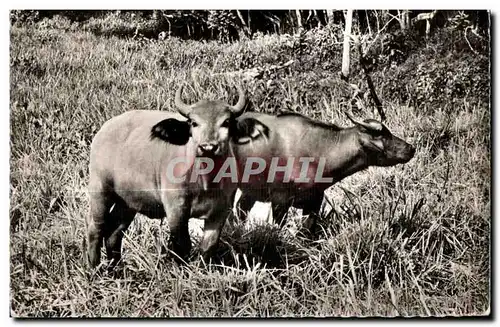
(375, 145)
(378, 145)
(249, 129)
(172, 131)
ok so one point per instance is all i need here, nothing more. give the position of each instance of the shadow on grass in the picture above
(264, 244)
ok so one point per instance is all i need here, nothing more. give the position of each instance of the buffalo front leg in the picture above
(178, 210)
(121, 217)
(211, 234)
(312, 209)
(281, 200)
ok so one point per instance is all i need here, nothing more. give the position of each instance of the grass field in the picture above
(407, 240)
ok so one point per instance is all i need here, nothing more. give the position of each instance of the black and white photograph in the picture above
(291, 163)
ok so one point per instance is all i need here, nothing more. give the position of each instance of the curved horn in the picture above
(183, 108)
(238, 107)
(372, 126)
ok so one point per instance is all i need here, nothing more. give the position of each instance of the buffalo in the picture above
(129, 161)
(298, 158)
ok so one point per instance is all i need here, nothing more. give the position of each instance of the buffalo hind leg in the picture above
(100, 204)
(120, 218)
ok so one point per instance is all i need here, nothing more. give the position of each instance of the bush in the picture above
(24, 16)
(449, 74)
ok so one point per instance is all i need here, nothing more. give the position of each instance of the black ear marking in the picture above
(249, 129)
(172, 131)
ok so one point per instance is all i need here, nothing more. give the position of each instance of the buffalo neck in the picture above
(343, 153)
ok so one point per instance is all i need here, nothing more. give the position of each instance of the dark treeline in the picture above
(230, 25)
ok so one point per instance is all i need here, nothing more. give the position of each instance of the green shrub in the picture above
(450, 74)
(24, 16)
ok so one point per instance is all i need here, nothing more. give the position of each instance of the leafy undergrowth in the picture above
(406, 240)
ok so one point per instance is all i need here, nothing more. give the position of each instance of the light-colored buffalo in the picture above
(129, 158)
(331, 153)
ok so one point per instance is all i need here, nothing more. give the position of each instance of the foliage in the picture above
(443, 80)
(460, 21)
(126, 24)
(222, 21)
(24, 16)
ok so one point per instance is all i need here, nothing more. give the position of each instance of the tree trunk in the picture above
(329, 14)
(156, 15)
(347, 36)
(368, 21)
(406, 14)
(428, 17)
(299, 20)
(275, 21)
(401, 20)
(404, 19)
(315, 15)
(249, 19)
(246, 30)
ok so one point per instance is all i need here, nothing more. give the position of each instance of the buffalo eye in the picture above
(226, 123)
(193, 123)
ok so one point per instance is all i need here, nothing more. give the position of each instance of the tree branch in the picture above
(371, 87)
(243, 23)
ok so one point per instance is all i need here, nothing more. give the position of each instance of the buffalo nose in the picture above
(208, 147)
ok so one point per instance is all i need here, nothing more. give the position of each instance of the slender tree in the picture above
(347, 36)
(244, 25)
(299, 20)
(329, 14)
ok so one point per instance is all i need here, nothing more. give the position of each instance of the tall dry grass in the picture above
(406, 240)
